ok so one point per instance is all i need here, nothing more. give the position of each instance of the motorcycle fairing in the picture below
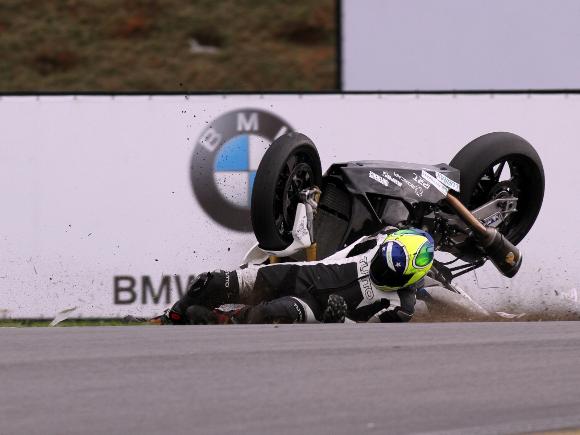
(410, 182)
(375, 186)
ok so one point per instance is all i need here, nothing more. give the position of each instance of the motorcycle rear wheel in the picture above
(502, 164)
(290, 165)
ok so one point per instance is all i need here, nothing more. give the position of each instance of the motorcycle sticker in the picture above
(378, 178)
(391, 179)
(447, 181)
(417, 189)
(435, 182)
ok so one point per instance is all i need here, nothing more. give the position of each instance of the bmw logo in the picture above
(225, 160)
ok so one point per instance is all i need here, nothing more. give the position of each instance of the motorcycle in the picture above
(477, 208)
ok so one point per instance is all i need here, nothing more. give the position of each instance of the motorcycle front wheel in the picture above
(290, 165)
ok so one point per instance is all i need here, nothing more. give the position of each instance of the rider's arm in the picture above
(400, 309)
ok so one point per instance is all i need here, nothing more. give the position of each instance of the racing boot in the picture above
(336, 310)
(169, 317)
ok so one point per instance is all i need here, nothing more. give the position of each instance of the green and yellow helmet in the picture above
(403, 258)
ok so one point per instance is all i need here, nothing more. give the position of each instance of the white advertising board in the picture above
(460, 44)
(99, 211)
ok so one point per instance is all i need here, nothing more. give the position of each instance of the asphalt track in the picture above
(432, 378)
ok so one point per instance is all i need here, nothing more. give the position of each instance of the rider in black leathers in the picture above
(374, 279)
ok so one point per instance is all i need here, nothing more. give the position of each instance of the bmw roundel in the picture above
(225, 160)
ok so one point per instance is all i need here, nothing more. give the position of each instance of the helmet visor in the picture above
(424, 256)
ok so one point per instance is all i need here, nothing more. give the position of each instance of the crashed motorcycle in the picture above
(477, 207)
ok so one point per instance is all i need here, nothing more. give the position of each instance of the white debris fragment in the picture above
(196, 48)
(509, 315)
(63, 315)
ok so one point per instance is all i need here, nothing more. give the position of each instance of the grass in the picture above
(144, 45)
(21, 323)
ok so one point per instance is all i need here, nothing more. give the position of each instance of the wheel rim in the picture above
(510, 176)
(296, 175)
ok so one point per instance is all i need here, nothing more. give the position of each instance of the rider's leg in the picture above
(291, 309)
(210, 290)
(287, 309)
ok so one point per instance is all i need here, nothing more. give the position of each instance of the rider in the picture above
(374, 279)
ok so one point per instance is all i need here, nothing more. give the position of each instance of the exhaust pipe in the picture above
(502, 253)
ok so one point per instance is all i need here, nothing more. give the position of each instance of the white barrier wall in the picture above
(99, 213)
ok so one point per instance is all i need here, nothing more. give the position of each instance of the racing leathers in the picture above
(299, 291)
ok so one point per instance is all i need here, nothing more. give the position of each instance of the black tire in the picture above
(289, 165)
(481, 160)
